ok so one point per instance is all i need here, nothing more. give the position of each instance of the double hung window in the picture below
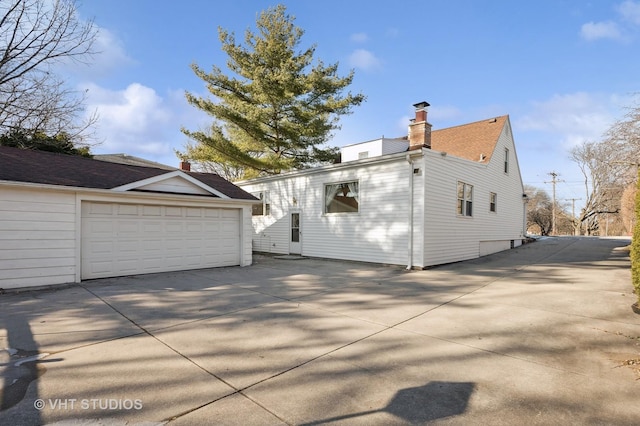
(465, 199)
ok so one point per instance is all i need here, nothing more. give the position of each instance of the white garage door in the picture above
(129, 239)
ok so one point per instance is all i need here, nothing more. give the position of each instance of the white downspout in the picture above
(410, 260)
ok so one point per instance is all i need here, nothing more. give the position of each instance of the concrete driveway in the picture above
(542, 334)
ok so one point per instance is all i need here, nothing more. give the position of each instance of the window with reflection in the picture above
(343, 197)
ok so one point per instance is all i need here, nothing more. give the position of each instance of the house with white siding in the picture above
(67, 218)
(430, 198)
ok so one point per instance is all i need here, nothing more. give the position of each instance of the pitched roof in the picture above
(131, 160)
(470, 141)
(24, 165)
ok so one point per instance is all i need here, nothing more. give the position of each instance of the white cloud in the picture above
(621, 29)
(597, 30)
(111, 52)
(630, 11)
(571, 118)
(109, 55)
(364, 59)
(359, 37)
(135, 120)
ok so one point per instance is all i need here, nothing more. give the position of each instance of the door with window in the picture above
(295, 234)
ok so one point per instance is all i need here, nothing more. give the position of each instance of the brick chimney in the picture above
(419, 129)
(185, 165)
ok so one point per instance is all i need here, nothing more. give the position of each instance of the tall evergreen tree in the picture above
(278, 109)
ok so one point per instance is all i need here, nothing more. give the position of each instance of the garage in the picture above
(67, 218)
(128, 239)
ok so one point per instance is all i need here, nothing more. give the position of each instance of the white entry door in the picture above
(295, 234)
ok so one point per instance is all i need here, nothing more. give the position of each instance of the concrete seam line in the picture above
(147, 332)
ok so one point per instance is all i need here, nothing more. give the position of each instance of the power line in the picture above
(554, 181)
(573, 210)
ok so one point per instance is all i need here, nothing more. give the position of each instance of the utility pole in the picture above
(553, 175)
(573, 211)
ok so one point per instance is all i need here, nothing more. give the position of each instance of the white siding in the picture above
(246, 232)
(40, 230)
(373, 148)
(377, 233)
(449, 237)
(37, 238)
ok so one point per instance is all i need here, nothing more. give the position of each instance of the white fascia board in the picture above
(98, 194)
(165, 176)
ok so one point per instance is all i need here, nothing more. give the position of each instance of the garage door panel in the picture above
(230, 214)
(194, 227)
(173, 227)
(152, 264)
(152, 226)
(100, 247)
(127, 210)
(98, 208)
(126, 266)
(128, 226)
(126, 246)
(97, 227)
(213, 213)
(152, 210)
(173, 211)
(121, 239)
(101, 267)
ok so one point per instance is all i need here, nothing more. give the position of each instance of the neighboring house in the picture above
(67, 218)
(427, 199)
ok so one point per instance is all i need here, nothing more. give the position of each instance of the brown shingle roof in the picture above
(471, 140)
(23, 165)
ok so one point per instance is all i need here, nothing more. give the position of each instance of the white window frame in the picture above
(265, 209)
(493, 202)
(506, 161)
(464, 199)
(325, 195)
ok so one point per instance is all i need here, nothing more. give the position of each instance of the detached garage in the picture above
(67, 218)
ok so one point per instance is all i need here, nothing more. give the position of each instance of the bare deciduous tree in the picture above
(604, 181)
(624, 135)
(36, 35)
(539, 207)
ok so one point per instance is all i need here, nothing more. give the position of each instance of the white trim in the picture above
(165, 176)
(78, 226)
(114, 196)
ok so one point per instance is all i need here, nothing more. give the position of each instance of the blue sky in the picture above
(562, 70)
